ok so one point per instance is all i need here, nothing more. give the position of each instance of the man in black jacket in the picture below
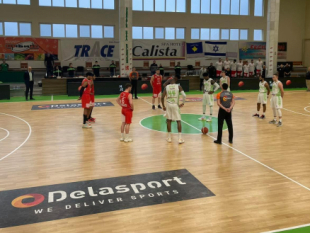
(29, 81)
(153, 67)
(281, 71)
(287, 70)
(308, 79)
(212, 71)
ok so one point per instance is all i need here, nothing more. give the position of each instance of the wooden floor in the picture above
(249, 197)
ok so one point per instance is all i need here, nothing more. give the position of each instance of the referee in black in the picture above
(226, 102)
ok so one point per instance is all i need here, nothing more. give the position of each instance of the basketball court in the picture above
(258, 184)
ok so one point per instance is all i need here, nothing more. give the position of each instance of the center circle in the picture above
(190, 124)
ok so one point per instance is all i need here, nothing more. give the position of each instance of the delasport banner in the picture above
(22, 48)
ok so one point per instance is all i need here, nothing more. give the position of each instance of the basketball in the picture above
(288, 82)
(240, 84)
(204, 130)
(144, 86)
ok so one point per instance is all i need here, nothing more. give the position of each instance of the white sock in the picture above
(211, 116)
(126, 136)
(180, 135)
(204, 115)
(211, 110)
(280, 120)
(257, 112)
(122, 135)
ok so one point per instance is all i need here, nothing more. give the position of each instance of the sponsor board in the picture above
(47, 203)
(71, 105)
(255, 50)
(200, 99)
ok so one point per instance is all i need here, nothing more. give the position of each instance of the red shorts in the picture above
(246, 74)
(92, 98)
(239, 73)
(251, 73)
(218, 73)
(156, 91)
(233, 73)
(126, 115)
(86, 101)
(258, 72)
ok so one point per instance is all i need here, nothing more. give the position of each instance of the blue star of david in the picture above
(215, 48)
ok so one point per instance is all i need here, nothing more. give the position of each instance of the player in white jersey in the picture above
(210, 86)
(239, 68)
(225, 79)
(262, 98)
(172, 91)
(277, 100)
(233, 69)
(219, 67)
(226, 64)
(251, 68)
(246, 69)
(259, 66)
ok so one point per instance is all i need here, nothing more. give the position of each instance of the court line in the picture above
(296, 112)
(264, 165)
(306, 109)
(287, 229)
(30, 131)
(7, 134)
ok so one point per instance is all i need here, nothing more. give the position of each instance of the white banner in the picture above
(89, 50)
(158, 50)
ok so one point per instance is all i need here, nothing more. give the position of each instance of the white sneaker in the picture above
(121, 139)
(202, 118)
(210, 119)
(89, 124)
(86, 126)
(169, 140)
(128, 140)
(181, 141)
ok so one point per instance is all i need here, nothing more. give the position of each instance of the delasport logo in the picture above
(47, 203)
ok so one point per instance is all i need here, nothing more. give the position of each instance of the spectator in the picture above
(133, 77)
(57, 72)
(29, 81)
(212, 71)
(162, 71)
(226, 64)
(308, 79)
(96, 69)
(287, 70)
(246, 69)
(228, 72)
(264, 71)
(233, 69)
(112, 69)
(178, 69)
(49, 64)
(219, 67)
(201, 72)
(259, 66)
(4, 66)
(239, 68)
(281, 71)
(153, 68)
(251, 68)
(71, 70)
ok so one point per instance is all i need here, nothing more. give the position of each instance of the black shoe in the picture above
(26, 99)
(153, 107)
(218, 142)
(159, 107)
(32, 99)
(231, 142)
(136, 97)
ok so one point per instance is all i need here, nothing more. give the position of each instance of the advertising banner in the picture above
(20, 48)
(255, 50)
(89, 50)
(158, 50)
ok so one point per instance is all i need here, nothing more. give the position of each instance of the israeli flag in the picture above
(215, 49)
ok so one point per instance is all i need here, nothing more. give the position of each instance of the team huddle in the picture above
(169, 98)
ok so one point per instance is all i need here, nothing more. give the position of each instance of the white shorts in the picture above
(208, 99)
(276, 102)
(262, 98)
(173, 112)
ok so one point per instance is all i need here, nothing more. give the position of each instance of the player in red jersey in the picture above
(125, 101)
(156, 81)
(92, 98)
(86, 99)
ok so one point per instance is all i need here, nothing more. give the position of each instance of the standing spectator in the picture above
(219, 67)
(29, 81)
(49, 64)
(96, 69)
(112, 68)
(251, 68)
(71, 70)
(308, 79)
(233, 69)
(153, 68)
(226, 64)
(4, 66)
(228, 72)
(201, 72)
(226, 102)
(239, 68)
(212, 70)
(287, 70)
(246, 70)
(178, 69)
(259, 66)
(133, 77)
(281, 71)
(57, 72)
(162, 71)
(264, 71)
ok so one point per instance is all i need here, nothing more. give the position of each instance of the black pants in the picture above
(134, 88)
(49, 71)
(29, 86)
(201, 84)
(223, 115)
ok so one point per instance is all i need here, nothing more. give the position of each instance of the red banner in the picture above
(19, 48)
